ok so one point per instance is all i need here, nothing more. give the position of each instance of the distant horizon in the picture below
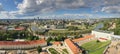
(55, 18)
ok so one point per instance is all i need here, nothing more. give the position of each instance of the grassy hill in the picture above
(94, 47)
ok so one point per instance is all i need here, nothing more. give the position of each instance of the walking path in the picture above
(57, 48)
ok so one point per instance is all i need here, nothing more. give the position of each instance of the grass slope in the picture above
(53, 51)
(95, 47)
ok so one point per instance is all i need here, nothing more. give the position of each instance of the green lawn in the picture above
(95, 47)
(100, 51)
(65, 50)
(53, 51)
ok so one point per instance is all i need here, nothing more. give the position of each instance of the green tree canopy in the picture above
(39, 49)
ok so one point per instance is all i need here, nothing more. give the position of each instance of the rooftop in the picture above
(84, 38)
(43, 53)
(23, 42)
(19, 28)
(103, 38)
(56, 43)
(72, 46)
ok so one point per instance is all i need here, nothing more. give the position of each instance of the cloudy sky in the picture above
(18, 9)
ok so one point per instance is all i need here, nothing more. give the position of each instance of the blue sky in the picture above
(14, 9)
(10, 5)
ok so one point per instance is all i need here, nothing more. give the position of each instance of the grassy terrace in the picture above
(66, 52)
(95, 47)
(53, 51)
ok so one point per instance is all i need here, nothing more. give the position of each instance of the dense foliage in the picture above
(72, 28)
(107, 25)
(39, 49)
(57, 38)
(11, 35)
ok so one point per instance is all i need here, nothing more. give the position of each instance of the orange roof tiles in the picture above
(19, 28)
(56, 43)
(103, 38)
(84, 38)
(72, 46)
(42, 41)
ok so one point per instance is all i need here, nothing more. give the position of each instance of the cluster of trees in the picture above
(80, 36)
(57, 38)
(42, 32)
(32, 38)
(39, 49)
(72, 28)
(11, 35)
(117, 29)
(61, 38)
(68, 33)
(107, 25)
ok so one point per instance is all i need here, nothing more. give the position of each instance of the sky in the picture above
(28, 9)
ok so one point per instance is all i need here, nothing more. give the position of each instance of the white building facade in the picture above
(102, 34)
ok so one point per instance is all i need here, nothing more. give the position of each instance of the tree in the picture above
(60, 38)
(72, 28)
(55, 39)
(49, 39)
(80, 36)
(39, 49)
(36, 38)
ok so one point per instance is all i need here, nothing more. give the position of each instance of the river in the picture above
(100, 25)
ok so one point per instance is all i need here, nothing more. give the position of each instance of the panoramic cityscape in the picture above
(59, 27)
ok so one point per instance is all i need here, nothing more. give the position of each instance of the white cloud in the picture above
(111, 9)
(36, 7)
(98, 5)
(6, 15)
(112, 2)
(41, 6)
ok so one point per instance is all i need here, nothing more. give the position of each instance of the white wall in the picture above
(102, 35)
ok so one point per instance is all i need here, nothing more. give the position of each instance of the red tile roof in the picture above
(43, 53)
(42, 41)
(72, 46)
(19, 28)
(84, 38)
(56, 43)
(103, 38)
